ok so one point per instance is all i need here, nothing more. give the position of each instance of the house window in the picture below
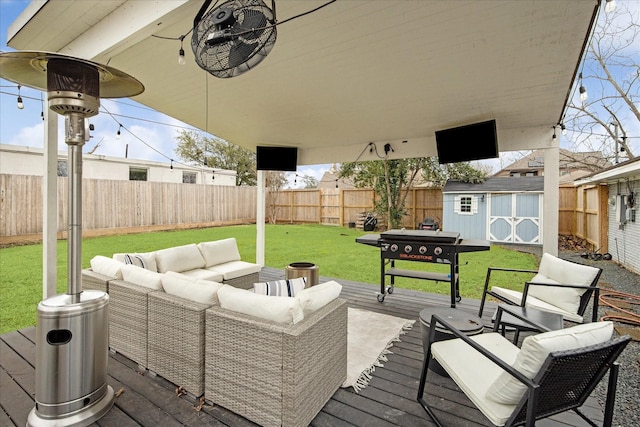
(188, 177)
(62, 168)
(137, 174)
(466, 205)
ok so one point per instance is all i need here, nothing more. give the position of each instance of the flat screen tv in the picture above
(476, 141)
(276, 158)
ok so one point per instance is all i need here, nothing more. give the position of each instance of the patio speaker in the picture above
(72, 334)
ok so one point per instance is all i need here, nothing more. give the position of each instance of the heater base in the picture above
(83, 417)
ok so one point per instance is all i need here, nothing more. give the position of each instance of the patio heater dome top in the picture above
(29, 68)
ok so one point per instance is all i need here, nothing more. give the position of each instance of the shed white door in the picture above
(515, 218)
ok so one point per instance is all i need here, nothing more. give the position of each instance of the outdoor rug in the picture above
(369, 337)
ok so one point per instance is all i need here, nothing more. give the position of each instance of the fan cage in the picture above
(245, 47)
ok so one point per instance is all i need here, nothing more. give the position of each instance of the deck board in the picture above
(389, 400)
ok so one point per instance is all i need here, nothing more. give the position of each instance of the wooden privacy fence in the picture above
(111, 207)
(341, 207)
(124, 205)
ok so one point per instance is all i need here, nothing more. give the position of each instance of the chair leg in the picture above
(611, 394)
(423, 381)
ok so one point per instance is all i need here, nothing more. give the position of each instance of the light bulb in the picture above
(564, 129)
(181, 60)
(118, 133)
(610, 6)
(583, 93)
(20, 103)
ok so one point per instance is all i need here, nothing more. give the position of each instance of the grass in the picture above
(333, 249)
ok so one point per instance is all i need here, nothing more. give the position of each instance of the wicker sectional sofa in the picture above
(274, 360)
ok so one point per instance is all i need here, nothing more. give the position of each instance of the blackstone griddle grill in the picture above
(72, 334)
(421, 246)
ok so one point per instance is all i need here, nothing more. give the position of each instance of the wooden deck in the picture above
(389, 400)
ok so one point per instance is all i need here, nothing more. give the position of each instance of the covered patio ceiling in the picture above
(351, 73)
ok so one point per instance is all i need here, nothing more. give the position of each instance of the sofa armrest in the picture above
(97, 281)
(486, 291)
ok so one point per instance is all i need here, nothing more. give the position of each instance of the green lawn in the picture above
(333, 249)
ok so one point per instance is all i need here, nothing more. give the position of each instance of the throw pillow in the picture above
(280, 310)
(219, 251)
(281, 288)
(107, 266)
(202, 291)
(142, 277)
(179, 258)
(315, 297)
(146, 261)
(535, 349)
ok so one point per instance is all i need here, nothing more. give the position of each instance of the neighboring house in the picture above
(19, 160)
(330, 179)
(573, 165)
(623, 181)
(507, 210)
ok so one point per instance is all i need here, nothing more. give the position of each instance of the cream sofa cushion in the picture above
(558, 271)
(534, 351)
(141, 277)
(232, 269)
(107, 266)
(316, 297)
(179, 259)
(204, 274)
(219, 251)
(280, 310)
(202, 291)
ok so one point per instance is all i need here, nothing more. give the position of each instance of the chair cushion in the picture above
(516, 298)
(280, 310)
(316, 297)
(204, 274)
(107, 266)
(142, 277)
(475, 377)
(536, 348)
(558, 271)
(179, 259)
(219, 251)
(145, 260)
(281, 288)
(233, 269)
(202, 291)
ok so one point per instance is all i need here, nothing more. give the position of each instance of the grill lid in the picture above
(424, 236)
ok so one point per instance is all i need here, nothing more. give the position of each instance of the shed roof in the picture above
(497, 185)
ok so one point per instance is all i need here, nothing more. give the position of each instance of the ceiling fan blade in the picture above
(253, 21)
(239, 52)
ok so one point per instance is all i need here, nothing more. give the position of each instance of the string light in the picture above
(181, 60)
(610, 6)
(20, 103)
(563, 128)
(171, 166)
(554, 132)
(583, 91)
(118, 133)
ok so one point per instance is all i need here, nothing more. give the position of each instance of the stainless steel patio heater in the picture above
(72, 334)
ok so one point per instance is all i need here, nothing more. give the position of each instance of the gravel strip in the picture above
(627, 407)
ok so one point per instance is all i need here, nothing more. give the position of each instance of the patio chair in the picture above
(559, 286)
(553, 372)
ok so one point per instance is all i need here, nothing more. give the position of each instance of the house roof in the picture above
(351, 73)
(569, 160)
(497, 185)
(627, 170)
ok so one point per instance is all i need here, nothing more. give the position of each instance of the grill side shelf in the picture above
(424, 275)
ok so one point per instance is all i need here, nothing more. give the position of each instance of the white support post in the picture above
(50, 202)
(550, 214)
(260, 218)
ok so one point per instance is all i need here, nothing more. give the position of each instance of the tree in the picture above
(309, 181)
(391, 180)
(217, 153)
(275, 181)
(611, 80)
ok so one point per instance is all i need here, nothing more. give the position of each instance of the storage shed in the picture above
(507, 210)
